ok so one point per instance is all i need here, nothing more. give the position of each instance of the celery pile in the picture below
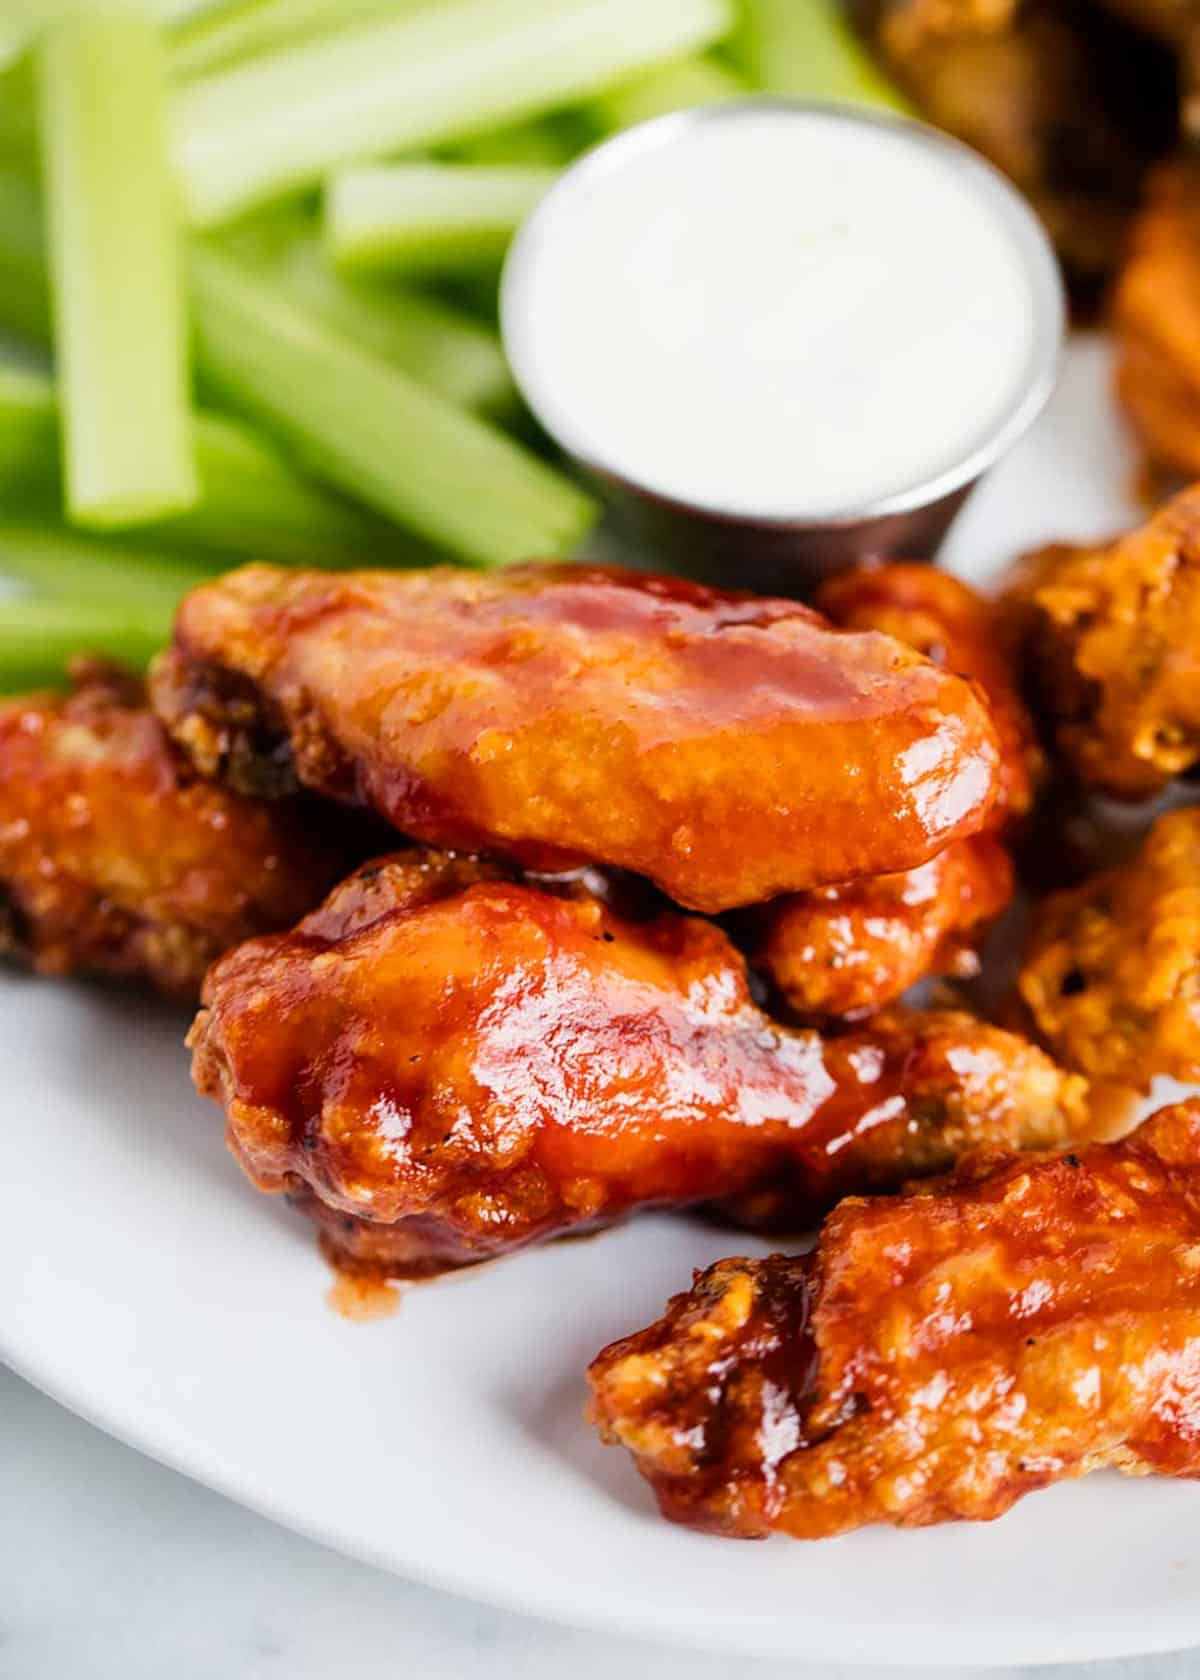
(260, 240)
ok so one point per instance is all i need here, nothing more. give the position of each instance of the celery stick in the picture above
(373, 432)
(809, 48)
(65, 565)
(549, 143)
(281, 121)
(419, 218)
(675, 87)
(28, 439)
(120, 327)
(24, 291)
(252, 503)
(18, 111)
(425, 337)
(256, 26)
(38, 637)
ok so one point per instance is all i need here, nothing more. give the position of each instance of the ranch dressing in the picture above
(775, 312)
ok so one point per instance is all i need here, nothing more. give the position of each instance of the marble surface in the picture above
(113, 1568)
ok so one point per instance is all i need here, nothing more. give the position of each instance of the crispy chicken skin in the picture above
(454, 1065)
(849, 949)
(115, 859)
(1111, 974)
(558, 712)
(938, 1356)
(1111, 645)
(1156, 320)
(946, 620)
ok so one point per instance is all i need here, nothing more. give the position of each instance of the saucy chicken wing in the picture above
(852, 948)
(1111, 974)
(453, 1064)
(558, 713)
(1111, 643)
(115, 860)
(938, 1355)
(1156, 320)
(849, 950)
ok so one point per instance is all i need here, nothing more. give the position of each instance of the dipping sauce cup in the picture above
(787, 335)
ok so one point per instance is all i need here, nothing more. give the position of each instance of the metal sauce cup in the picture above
(789, 555)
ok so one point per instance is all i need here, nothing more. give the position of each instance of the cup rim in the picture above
(1030, 395)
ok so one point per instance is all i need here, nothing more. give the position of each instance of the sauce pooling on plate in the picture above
(781, 312)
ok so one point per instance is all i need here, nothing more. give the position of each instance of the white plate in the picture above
(146, 1286)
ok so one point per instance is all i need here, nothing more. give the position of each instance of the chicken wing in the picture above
(114, 859)
(1156, 320)
(557, 713)
(453, 1064)
(1071, 103)
(852, 948)
(1111, 643)
(946, 620)
(1111, 974)
(938, 1355)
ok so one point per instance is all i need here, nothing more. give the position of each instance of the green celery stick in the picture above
(29, 450)
(549, 143)
(24, 291)
(120, 328)
(674, 87)
(280, 122)
(22, 22)
(809, 48)
(374, 433)
(38, 637)
(424, 336)
(255, 26)
(252, 502)
(18, 111)
(425, 218)
(63, 565)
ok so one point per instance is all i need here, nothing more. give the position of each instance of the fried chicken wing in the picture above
(729, 747)
(1111, 974)
(1156, 320)
(847, 951)
(946, 620)
(938, 1356)
(1069, 102)
(852, 948)
(114, 859)
(454, 1064)
(1111, 642)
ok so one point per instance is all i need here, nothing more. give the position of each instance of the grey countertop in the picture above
(113, 1568)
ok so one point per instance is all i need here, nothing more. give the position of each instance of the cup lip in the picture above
(1030, 395)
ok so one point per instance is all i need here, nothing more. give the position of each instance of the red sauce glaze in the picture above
(116, 859)
(939, 1355)
(467, 1065)
(556, 713)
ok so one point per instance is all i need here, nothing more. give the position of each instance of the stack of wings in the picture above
(516, 903)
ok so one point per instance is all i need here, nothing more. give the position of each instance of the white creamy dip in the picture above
(776, 312)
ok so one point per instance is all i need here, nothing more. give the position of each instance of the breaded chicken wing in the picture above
(1111, 642)
(946, 620)
(455, 1066)
(849, 949)
(115, 859)
(938, 1356)
(1111, 974)
(1156, 320)
(729, 747)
